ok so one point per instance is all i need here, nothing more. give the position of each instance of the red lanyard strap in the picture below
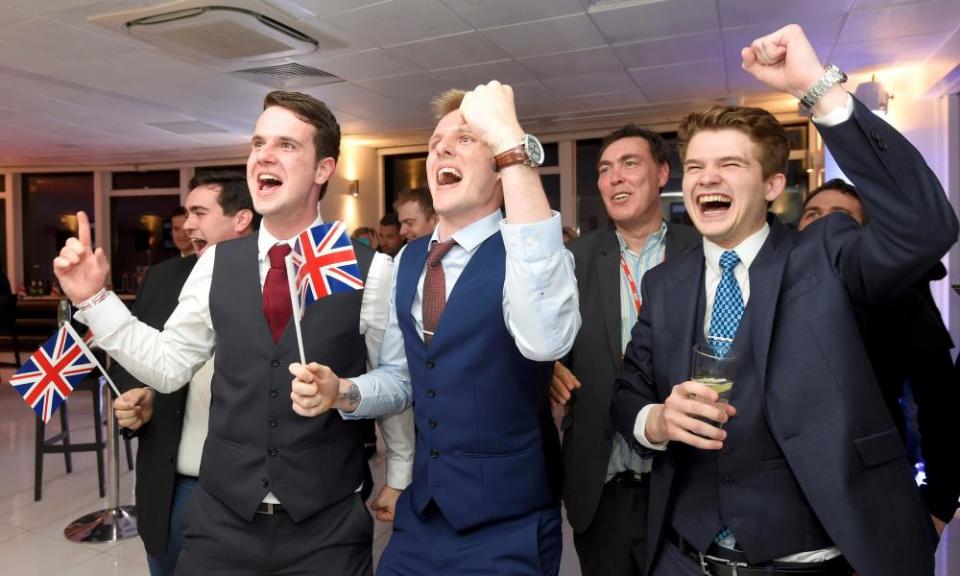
(633, 285)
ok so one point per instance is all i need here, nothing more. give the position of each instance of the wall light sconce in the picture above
(353, 188)
(873, 96)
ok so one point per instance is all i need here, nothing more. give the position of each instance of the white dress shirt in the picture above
(540, 303)
(166, 360)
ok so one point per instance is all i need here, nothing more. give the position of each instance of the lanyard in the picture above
(633, 285)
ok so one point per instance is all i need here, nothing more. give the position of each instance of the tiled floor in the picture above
(31, 533)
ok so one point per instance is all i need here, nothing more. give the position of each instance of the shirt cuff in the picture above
(638, 430)
(837, 115)
(399, 473)
(534, 241)
(105, 317)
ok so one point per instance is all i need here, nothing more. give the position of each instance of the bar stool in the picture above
(61, 444)
(8, 326)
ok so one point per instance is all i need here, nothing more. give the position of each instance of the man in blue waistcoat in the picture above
(480, 310)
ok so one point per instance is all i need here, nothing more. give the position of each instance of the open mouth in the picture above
(713, 204)
(198, 245)
(268, 182)
(621, 196)
(448, 176)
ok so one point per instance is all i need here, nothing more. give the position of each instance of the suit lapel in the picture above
(766, 277)
(608, 280)
(684, 290)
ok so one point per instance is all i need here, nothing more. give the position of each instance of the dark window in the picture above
(50, 203)
(796, 136)
(551, 156)
(551, 186)
(242, 168)
(402, 171)
(3, 236)
(139, 237)
(141, 180)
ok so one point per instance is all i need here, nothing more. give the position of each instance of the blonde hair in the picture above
(759, 125)
(447, 102)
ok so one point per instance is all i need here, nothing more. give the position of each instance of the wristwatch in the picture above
(528, 152)
(831, 76)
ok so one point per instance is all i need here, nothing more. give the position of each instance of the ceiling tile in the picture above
(326, 8)
(505, 71)
(688, 48)
(587, 61)
(399, 21)
(487, 13)
(931, 17)
(374, 63)
(448, 51)
(562, 34)
(655, 20)
(414, 90)
(11, 15)
(67, 42)
(690, 81)
(608, 101)
(777, 12)
(858, 56)
(364, 103)
(600, 83)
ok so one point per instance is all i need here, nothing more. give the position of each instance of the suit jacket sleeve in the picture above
(911, 221)
(635, 387)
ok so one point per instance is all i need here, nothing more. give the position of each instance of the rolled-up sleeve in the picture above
(540, 302)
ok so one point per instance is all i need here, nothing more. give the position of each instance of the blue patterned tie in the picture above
(727, 306)
(724, 321)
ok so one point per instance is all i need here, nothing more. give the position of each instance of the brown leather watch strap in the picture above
(515, 155)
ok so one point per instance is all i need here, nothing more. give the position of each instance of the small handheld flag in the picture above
(325, 263)
(49, 375)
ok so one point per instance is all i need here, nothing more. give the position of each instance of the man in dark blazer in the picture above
(218, 208)
(808, 472)
(917, 360)
(605, 480)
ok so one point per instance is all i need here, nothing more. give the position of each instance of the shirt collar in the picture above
(653, 240)
(747, 250)
(266, 240)
(476, 233)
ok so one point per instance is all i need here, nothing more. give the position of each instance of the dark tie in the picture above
(434, 288)
(276, 292)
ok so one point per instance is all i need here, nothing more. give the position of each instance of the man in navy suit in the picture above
(481, 309)
(807, 474)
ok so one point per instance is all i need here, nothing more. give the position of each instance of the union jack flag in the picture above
(325, 263)
(49, 375)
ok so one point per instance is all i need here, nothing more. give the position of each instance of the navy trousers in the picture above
(426, 545)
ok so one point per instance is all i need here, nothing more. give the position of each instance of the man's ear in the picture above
(774, 186)
(243, 219)
(325, 169)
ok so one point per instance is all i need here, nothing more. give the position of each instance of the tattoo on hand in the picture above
(351, 396)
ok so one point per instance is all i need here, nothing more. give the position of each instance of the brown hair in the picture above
(447, 102)
(759, 125)
(326, 138)
(659, 149)
(419, 195)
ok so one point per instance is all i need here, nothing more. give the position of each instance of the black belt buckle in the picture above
(705, 561)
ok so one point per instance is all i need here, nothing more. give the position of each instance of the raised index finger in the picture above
(83, 229)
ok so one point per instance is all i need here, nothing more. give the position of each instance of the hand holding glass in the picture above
(715, 370)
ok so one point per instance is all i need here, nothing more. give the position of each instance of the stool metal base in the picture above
(109, 525)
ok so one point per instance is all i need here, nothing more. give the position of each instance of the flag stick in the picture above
(295, 302)
(83, 346)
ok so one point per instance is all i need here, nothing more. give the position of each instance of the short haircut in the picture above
(234, 193)
(759, 125)
(420, 195)
(838, 184)
(326, 137)
(390, 219)
(447, 102)
(181, 211)
(659, 148)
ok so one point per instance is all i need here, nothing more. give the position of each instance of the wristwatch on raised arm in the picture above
(831, 76)
(528, 152)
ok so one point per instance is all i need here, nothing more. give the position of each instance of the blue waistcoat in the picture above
(478, 403)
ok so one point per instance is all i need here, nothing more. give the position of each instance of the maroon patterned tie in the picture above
(434, 288)
(276, 292)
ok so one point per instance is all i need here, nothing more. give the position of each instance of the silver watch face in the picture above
(534, 150)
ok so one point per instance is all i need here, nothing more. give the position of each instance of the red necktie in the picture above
(434, 288)
(276, 292)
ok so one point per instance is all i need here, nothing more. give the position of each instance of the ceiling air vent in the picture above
(286, 76)
(225, 37)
